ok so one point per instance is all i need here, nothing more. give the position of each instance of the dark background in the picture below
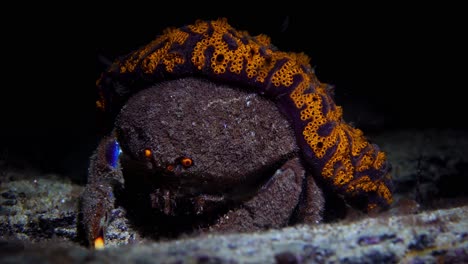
(393, 67)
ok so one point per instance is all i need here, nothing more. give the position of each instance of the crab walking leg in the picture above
(272, 207)
(310, 209)
(97, 199)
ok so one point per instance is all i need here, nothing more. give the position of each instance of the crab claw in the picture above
(99, 242)
(97, 230)
(97, 202)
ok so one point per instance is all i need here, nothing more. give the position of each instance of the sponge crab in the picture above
(183, 161)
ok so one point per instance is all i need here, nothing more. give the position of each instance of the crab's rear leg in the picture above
(97, 199)
(311, 208)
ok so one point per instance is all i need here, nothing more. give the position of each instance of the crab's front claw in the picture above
(272, 206)
(97, 203)
(97, 199)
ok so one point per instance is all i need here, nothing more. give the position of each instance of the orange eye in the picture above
(186, 162)
(148, 153)
(170, 167)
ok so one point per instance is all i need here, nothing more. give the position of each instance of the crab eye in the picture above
(170, 167)
(148, 153)
(186, 162)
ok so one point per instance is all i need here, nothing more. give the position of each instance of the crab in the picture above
(200, 169)
(206, 156)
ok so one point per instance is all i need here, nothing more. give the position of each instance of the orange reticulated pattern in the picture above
(366, 185)
(151, 58)
(246, 57)
(342, 151)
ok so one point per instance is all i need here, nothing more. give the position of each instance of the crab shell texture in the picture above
(191, 151)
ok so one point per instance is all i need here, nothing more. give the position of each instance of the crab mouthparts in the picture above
(173, 203)
(161, 200)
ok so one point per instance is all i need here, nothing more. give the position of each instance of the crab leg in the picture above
(97, 199)
(272, 207)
